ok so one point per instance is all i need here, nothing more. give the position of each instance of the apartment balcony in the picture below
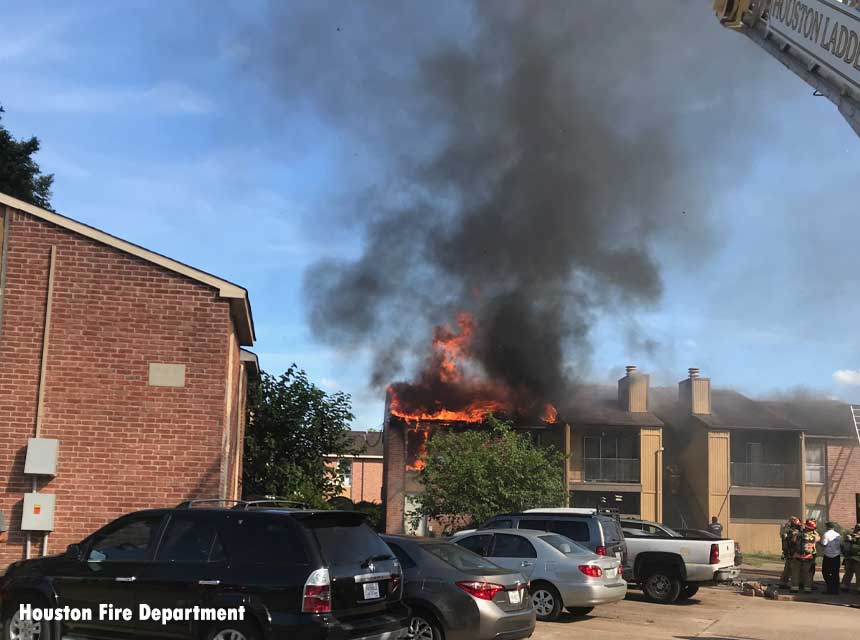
(765, 475)
(616, 470)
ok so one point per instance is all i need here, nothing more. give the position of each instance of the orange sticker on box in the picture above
(37, 509)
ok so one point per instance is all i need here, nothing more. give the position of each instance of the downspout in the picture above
(4, 252)
(40, 402)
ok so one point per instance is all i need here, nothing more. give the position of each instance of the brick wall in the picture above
(843, 479)
(366, 485)
(394, 474)
(124, 445)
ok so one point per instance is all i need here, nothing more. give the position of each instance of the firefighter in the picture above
(785, 532)
(851, 550)
(803, 543)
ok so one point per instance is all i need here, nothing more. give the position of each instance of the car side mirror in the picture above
(73, 551)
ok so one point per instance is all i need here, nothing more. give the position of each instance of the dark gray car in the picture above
(457, 595)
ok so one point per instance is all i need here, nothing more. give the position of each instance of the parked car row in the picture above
(303, 573)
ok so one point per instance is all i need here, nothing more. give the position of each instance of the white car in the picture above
(669, 566)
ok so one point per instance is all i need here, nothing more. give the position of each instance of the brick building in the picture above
(132, 361)
(362, 471)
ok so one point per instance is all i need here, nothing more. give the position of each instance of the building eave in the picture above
(240, 306)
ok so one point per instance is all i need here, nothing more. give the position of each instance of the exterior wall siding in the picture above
(757, 537)
(719, 475)
(651, 474)
(124, 445)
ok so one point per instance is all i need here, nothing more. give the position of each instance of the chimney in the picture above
(694, 393)
(633, 391)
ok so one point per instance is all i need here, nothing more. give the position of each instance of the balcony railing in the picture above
(612, 470)
(759, 474)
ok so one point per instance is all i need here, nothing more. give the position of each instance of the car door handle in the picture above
(126, 579)
(527, 564)
(211, 583)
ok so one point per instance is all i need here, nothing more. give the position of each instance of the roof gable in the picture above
(240, 306)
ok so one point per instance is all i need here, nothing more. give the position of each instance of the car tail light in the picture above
(395, 582)
(715, 554)
(481, 590)
(601, 550)
(316, 597)
(591, 570)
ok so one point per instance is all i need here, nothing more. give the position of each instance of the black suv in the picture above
(297, 573)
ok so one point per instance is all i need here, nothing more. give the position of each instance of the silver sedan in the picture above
(562, 573)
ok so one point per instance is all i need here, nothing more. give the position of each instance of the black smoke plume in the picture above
(537, 158)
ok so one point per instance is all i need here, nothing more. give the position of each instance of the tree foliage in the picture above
(292, 425)
(20, 176)
(472, 475)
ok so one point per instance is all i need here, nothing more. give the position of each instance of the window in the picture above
(476, 544)
(267, 540)
(345, 469)
(461, 559)
(128, 541)
(566, 546)
(755, 452)
(345, 543)
(499, 524)
(405, 560)
(190, 540)
(815, 463)
(573, 529)
(510, 546)
(817, 511)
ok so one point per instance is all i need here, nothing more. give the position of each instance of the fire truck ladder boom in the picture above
(855, 413)
(750, 18)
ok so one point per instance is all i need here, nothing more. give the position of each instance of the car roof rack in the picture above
(203, 502)
(268, 502)
(272, 503)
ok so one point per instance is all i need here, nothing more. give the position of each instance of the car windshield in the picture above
(457, 556)
(567, 546)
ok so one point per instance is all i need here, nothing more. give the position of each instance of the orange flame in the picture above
(550, 414)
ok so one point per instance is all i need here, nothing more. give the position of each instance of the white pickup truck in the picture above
(669, 566)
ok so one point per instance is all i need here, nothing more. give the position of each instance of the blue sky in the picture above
(164, 127)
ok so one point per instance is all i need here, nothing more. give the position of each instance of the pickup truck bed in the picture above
(669, 568)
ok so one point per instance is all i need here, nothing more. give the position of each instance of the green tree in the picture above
(292, 425)
(20, 176)
(471, 475)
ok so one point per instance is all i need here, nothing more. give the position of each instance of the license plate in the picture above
(611, 573)
(515, 597)
(371, 590)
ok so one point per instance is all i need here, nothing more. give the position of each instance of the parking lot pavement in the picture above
(717, 613)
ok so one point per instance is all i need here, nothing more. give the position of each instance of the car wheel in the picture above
(423, 627)
(14, 628)
(546, 601)
(232, 631)
(661, 587)
(688, 591)
(579, 611)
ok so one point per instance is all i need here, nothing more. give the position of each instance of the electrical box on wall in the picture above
(42, 454)
(38, 512)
